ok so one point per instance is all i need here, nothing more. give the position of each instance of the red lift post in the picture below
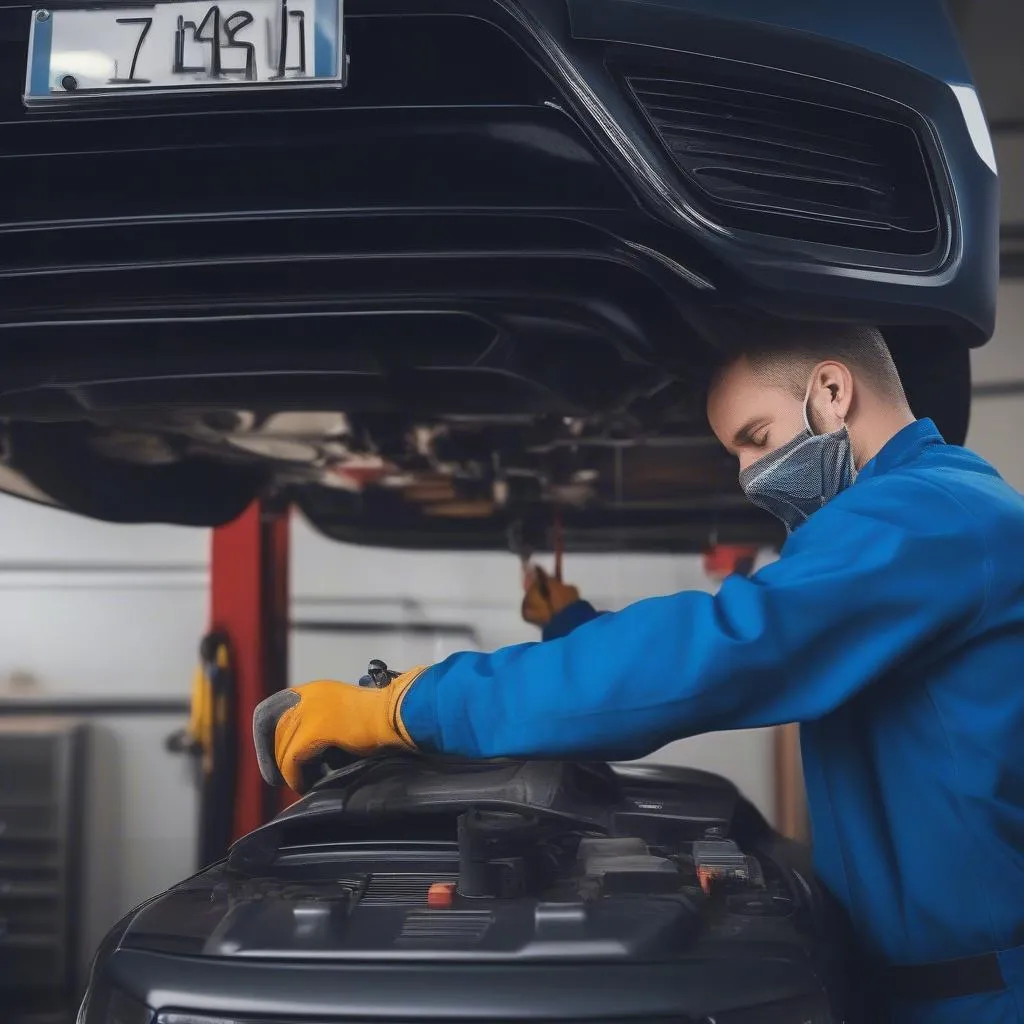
(249, 604)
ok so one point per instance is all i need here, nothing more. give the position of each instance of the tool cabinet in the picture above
(41, 841)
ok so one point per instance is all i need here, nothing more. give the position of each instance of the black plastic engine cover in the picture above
(411, 888)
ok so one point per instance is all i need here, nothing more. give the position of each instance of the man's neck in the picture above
(869, 438)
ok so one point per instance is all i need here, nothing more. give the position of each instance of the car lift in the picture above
(249, 599)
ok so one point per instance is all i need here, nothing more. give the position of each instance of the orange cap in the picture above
(441, 895)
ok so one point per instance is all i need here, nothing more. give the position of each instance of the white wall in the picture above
(92, 610)
(997, 423)
(88, 611)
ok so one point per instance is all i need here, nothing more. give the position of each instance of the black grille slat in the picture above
(443, 928)
(739, 106)
(793, 167)
(789, 163)
(744, 106)
(767, 132)
(807, 209)
(400, 889)
(731, 139)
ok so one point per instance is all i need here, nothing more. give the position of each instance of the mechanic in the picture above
(891, 627)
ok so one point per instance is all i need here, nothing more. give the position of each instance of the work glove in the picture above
(293, 728)
(545, 596)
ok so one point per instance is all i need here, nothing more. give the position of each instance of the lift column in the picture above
(249, 605)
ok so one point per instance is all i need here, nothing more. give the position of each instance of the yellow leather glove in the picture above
(292, 728)
(545, 596)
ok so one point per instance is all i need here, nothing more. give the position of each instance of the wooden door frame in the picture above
(790, 797)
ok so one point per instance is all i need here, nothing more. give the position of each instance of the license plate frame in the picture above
(330, 59)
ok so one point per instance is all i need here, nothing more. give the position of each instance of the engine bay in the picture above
(400, 857)
(554, 890)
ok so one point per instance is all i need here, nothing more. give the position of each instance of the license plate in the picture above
(183, 46)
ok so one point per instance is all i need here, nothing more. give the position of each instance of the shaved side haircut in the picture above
(785, 354)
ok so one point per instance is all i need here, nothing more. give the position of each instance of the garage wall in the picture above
(91, 610)
(997, 420)
(99, 613)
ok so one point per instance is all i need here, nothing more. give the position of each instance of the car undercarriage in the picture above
(480, 281)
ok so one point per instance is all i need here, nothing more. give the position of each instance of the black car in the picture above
(409, 889)
(467, 260)
(425, 268)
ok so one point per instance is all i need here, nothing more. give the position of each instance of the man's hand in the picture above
(545, 596)
(292, 728)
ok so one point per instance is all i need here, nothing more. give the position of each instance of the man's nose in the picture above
(746, 459)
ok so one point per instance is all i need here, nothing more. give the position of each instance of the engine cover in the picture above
(479, 885)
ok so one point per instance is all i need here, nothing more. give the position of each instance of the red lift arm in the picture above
(249, 604)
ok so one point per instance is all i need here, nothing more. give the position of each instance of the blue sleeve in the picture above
(568, 619)
(854, 594)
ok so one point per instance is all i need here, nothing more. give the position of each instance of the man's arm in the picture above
(553, 605)
(562, 623)
(855, 593)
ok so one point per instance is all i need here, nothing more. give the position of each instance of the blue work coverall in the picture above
(892, 628)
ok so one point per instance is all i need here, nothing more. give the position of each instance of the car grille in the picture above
(776, 164)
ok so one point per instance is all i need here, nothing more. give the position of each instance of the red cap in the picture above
(441, 895)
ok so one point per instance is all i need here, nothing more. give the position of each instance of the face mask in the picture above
(794, 481)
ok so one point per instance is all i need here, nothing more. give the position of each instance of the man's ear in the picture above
(831, 396)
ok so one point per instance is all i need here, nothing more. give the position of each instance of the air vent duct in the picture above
(779, 165)
(443, 929)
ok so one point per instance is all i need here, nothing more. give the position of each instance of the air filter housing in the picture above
(764, 161)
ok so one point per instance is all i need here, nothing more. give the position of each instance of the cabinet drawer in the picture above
(39, 1008)
(23, 881)
(27, 965)
(29, 853)
(30, 916)
(27, 821)
(28, 766)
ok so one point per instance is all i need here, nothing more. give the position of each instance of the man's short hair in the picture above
(786, 353)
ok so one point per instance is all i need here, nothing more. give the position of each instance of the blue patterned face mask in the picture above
(794, 481)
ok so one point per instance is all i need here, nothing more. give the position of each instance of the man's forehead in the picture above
(740, 395)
